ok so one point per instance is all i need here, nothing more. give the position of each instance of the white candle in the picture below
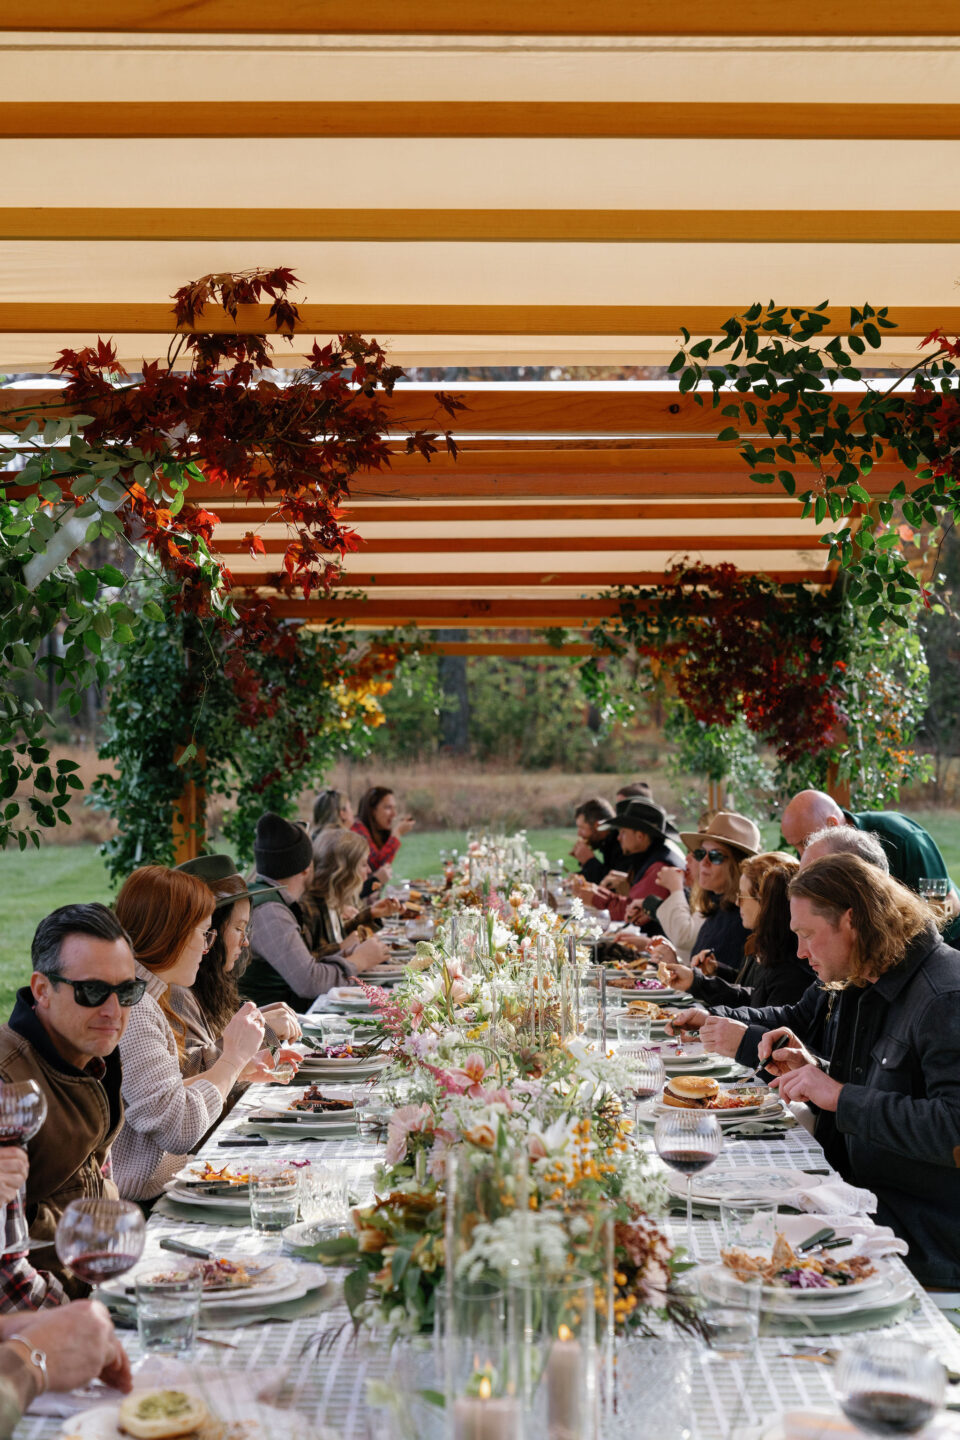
(564, 1380)
(485, 1416)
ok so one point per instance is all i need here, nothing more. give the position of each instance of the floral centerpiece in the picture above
(487, 1068)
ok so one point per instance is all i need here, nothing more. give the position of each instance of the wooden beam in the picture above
(558, 544)
(477, 119)
(675, 227)
(470, 580)
(504, 649)
(523, 410)
(64, 317)
(442, 614)
(488, 17)
(241, 512)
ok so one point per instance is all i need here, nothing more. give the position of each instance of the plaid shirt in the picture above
(23, 1288)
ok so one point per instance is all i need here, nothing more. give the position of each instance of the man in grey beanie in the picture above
(281, 964)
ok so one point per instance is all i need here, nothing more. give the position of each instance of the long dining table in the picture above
(327, 1383)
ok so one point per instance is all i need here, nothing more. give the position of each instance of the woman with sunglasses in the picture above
(720, 850)
(168, 916)
(208, 1005)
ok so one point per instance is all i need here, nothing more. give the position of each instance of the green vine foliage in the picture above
(774, 377)
(174, 719)
(745, 664)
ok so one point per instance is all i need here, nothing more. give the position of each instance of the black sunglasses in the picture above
(92, 993)
(716, 857)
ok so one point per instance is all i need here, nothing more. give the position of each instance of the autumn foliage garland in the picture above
(117, 456)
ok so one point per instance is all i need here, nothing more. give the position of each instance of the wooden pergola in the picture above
(492, 185)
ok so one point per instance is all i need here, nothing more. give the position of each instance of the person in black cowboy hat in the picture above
(645, 841)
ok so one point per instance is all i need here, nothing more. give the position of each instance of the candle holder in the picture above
(552, 1328)
(471, 1335)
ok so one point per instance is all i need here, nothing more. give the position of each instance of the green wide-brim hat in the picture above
(213, 870)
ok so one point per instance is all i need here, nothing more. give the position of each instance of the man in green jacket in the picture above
(912, 851)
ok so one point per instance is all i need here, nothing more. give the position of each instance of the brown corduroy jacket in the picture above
(71, 1152)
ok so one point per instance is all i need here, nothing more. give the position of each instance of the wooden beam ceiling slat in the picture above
(478, 119)
(887, 18)
(692, 512)
(514, 580)
(563, 410)
(66, 317)
(675, 227)
(556, 544)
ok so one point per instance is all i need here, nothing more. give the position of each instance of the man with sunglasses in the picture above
(63, 1034)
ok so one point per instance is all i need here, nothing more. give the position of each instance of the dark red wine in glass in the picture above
(886, 1412)
(688, 1162)
(100, 1239)
(688, 1141)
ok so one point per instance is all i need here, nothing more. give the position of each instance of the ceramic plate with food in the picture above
(703, 1092)
(183, 1194)
(221, 1278)
(177, 1412)
(817, 1276)
(212, 1179)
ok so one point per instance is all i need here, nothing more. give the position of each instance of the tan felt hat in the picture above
(730, 829)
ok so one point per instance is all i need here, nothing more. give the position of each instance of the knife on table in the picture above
(181, 1247)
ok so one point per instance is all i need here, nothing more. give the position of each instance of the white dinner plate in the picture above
(253, 1420)
(347, 1067)
(821, 1424)
(283, 1103)
(277, 1276)
(766, 1109)
(716, 1185)
(306, 1278)
(895, 1289)
(348, 997)
(278, 1129)
(186, 1195)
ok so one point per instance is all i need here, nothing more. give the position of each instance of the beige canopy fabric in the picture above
(569, 196)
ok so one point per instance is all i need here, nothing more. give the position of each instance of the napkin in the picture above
(836, 1197)
(875, 1241)
(162, 1371)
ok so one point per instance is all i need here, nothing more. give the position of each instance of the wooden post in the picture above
(838, 789)
(189, 814)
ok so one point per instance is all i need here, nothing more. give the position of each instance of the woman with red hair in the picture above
(168, 915)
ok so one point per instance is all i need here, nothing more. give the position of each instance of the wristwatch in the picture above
(36, 1357)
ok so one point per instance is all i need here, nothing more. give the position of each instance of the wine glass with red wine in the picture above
(688, 1141)
(889, 1387)
(23, 1109)
(98, 1239)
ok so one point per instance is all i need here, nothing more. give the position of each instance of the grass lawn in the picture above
(35, 882)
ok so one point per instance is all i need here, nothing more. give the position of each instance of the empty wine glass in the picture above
(688, 1141)
(98, 1239)
(23, 1109)
(889, 1387)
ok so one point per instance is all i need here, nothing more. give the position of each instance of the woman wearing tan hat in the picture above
(720, 850)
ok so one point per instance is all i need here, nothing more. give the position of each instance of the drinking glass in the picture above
(323, 1191)
(730, 1311)
(647, 1074)
(98, 1239)
(688, 1141)
(274, 1196)
(168, 1309)
(373, 1111)
(632, 1027)
(932, 887)
(889, 1387)
(23, 1109)
(749, 1225)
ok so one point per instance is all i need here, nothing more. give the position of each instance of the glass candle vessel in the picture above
(552, 1327)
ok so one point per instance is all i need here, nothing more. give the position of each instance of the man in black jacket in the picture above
(887, 1096)
(588, 817)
